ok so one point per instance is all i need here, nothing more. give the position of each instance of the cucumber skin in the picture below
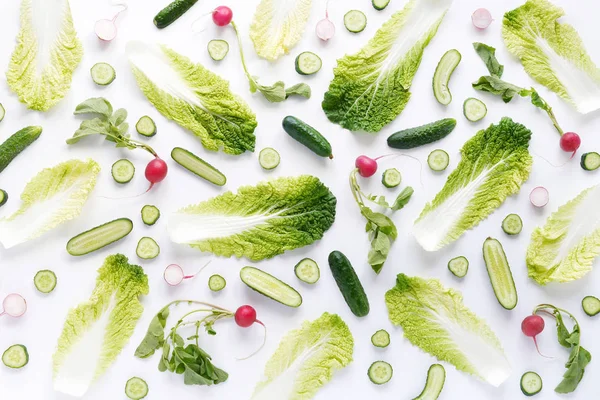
(172, 12)
(4, 197)
(18, 142)
(94, 228)
(349, 284)
(582, 162)
(307, 135)
(421, 135)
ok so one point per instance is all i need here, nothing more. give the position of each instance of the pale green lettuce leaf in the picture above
(259, 221)
(372, 87)
(306, 360)
(494, 164)
(278, 25)
(436, 320)
(54, 196)
(47, 53)
(565, 248)
(194, 97)
(96, 330)
(553, 53)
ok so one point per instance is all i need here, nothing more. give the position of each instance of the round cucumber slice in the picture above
(16, 356)
(531, 383)
(474, 109)
(308, 63)
(136, 388)
(103, 74)
(355, 21)
(150, 214)
(2, 112)
(146, 126)
(590, 161)
(381, 338)
(591, 305)
(123, 171)
(216, 283)
(391, 178)
(147, 248)
(380, 372)
(3, 197)
(307, 270)
(269, 158)
(438, 160)
(459, 266)
(45, 281)
(512, 224)
(218, 49)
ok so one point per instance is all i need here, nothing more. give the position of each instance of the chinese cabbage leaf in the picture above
(495, 162)
(553, 53)
(194, 97)
(565, 248)
(259, 221)
(47, 53)
(306, 360)
(372, 87)
(436, 320)
(278, 25)
(96, 330)
(54, 196)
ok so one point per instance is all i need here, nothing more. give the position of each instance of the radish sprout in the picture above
(106, 29)
(325, 28)
(14, 305)
(539, 196)
(174, 274)
(481, 18)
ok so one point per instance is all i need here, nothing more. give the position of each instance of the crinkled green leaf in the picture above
(95, 105)
(494, 164)
(436, 320)
(488, 56)
(259, 221)
(54, 196)
(564, 249)
(372, 87)
(97, 329)
(47, 53)
(299, 89)
(306, 360)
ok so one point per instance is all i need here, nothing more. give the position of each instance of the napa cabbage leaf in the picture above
(553, 53)
(47, 53)
(194, 97)
(565, 248)
(96, 330)
(372, 87)
(494, 164)
(436, 320)
(54, 196)
(278, 26)
(306, 360)
(259, 221)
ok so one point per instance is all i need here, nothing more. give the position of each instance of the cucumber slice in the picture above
(442, 75)
(16, 356)
(216, 283)
(438, 160)
(391, 178)
(307, 270)
(380, 4)
(269, 158)
(123, 171)
(512, 224)
(147, 248)
(591, 305)
(381, 338)
(146, 126)
(380, 372)
(136, 388)
(499, 272)
(198, 166)
(436, 377)
(590, 161)
(103, 74)
(459, 266)
(474, 109)
(217, 49)
(271, 287)
(98, 237)
(150, 214)
(3, 197)
(531, 383)
(308, 63)
(2, 112)
(45, 281)
(355, 21)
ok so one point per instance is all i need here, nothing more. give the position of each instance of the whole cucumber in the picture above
(349, 284)
(172, 12)
(421, 135)
(307, 135)
(18, 142)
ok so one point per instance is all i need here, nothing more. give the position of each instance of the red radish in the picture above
(222, 16)
(366, 166)
(539, 196)
(174, 274)
(156, 171)
(245, 316)
(106, 29)
(481, 18)
(14, 305)
(325, 28)
(532, 326)
(570, 142)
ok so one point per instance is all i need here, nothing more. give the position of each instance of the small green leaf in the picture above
(96, 105)
(95, 126)
(300, 89)
(488, 56)
(403, 198)
(494, 85)
(118, 117)
(274, 93)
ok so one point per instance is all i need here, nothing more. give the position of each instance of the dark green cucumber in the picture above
(349, 284)
(307, 135)
(421, 135)
(3, 197)
(18, 142)
(172, 12)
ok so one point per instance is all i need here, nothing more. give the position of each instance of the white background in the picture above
(42, 324)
